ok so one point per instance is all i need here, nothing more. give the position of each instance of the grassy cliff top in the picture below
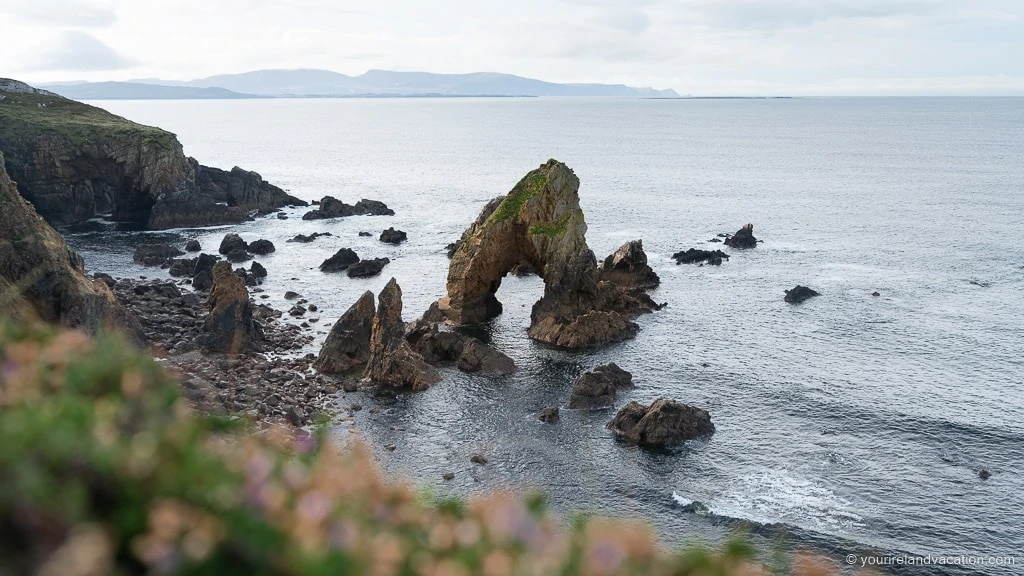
(25, 117)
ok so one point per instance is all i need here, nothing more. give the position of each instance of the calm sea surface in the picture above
(851, 423)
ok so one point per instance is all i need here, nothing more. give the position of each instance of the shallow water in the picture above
(851, 423)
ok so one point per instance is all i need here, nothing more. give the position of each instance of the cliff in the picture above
(41, 277)
(73, 162)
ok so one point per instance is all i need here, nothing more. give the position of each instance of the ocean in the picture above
(851, 423)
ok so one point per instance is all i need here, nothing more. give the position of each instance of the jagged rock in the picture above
(368, 268)
(540, 223)
(232, 243)
(392, 362)
(246, 276)
(549, 416)
(182, 268)
(331, 207)
(307, 238)
(599, 389)
(628, 267)
(262, 247)
(155, 254)
(392, 236)
(340, 262)
(237, 256)
(876, 294)
(258, 270)
(297, 311)
(40, 277)
(74, 162)
(469, 354)
(193, 246)
(663, 424)
(229, 327)
(800, 294)
(202, 275)
(348, 344)
(743, 239)
(696, 256)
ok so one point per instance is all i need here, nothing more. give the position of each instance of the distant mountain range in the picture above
(324, 83)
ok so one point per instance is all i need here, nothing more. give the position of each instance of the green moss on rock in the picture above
(527, 188)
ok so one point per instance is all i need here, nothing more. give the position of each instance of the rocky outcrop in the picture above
(744, 238)
(392, 362)
(202, 273)
(341, 261)
(229, 327)
(193, 246)
(307, 238)
(469, 354)
(40, 277)
(232, 242)
(663, 424)
(348, 344)
(697, 256)
(800, 294)
(368, 268)
(331, 207)
(74, 162)
(392, 236)
(540, 223)
(628, 268)
(155, 254)
(600, 388)
(262, 247)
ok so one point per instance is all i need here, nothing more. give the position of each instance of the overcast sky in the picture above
(797, 47)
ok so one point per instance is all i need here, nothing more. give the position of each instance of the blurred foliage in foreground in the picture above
(104, 469)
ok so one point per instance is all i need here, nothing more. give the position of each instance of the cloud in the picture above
(77, 51)
(79, 13)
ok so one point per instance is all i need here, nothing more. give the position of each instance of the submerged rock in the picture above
(368, 268)
(599, 389)
(307, 238)
(744, 238)
(800, 294)
(341, 261)
(348, 344)
(663, 424)
(696, 256)
(392, 362)
(540, 223)
(155, 254)
(628, 268)
(392, 236)
(549, 416)
(229, 327)
(331, 207)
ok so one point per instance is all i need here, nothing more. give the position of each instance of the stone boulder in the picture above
(392, 236)
(182, 267)
(232, 243)
(697, 256)
(193, 246)
(238, 256)
(341, 261)
(331, 207)
(229, 328)
(258, 270)
(663, 424)
(800, 294)
(368, 268)
(599, 389)
(202, 274)
(348, 344)
(42, 278)
(155, 254)
(540, 223)
(744, 238)
(628, 267)
(392, 362)
(262, 247)
(468, 353)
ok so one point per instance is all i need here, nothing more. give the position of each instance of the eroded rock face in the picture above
(392, 362)
(599, 389)
(744, 238)
(348, 344)
(663, 424)
(40, 277)
(628, 267)
(540, 224)
(229, 327)
(469, 354)
(99, 163)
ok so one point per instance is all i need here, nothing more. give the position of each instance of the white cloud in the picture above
(61, 12)
(77, 51)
